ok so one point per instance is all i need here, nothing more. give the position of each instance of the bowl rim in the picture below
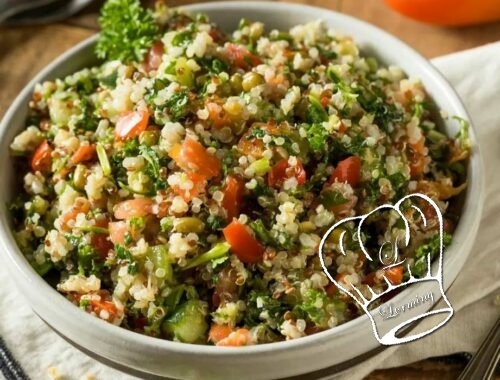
(67, 310)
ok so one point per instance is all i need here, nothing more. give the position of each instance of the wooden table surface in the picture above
(26, 50)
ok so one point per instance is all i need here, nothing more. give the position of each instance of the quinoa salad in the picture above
(181, 187)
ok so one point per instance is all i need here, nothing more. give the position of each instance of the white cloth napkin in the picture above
(476, 76)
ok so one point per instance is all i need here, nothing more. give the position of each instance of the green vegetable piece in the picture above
(260, 167)
(259, 301)
(177, 105)
(152, 158)
(331, 198)
(149, 138)
(251, 80)
(218, 251)
(316, 113)
(183, 73)
(316, 137)
(215, 222)
(128, 31)
(158, 254)
(42, 269)
(261, 232)
(188, 224)
(174, 297)
(103, 159)
(463, 134)
(319, 307)
(188, 323)
(420, 266)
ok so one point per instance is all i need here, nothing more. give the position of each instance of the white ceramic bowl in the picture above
(142, 354)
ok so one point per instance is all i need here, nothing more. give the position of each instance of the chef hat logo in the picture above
(418, 203)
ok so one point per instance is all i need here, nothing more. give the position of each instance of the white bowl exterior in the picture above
(274, 360)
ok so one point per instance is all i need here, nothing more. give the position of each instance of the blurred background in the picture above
(31, 38)
(38, 36)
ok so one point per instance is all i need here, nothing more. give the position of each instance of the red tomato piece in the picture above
(241, 57)
(233, 196)
(131, 208)
(131, 124)
(81, 205)
(348, 170)
(101, 243)
(282, 171)
(193, 157)
(394, 274)
(82, 154)
(117, 232)
(243, 243)
(153, 58)
(199, 183)
(219, 332)
(42, 158)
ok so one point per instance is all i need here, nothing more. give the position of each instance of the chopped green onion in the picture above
(218, 251)
(463, 134)
(103, 159)
(158, 254)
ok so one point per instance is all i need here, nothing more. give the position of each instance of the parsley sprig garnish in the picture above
(128, 31)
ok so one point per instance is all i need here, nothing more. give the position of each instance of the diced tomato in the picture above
(394, 274)
(241, 57)
(252, 146)
(282, 171)
(216, 34)
(331, 289)
(324, 101)
(82, 154)
(153, 58)
(131, 208)
(249, 146)
(417, 165)
(42, 159)
(193, 157)
(101, 243)
(117, 232)
(348, 170)
(416, 158)
(130, 124)
(199, 183)
(81, 205)
(233, 196)
(105, 304)
(219, 332)
(243, 243)
(371, 279)
(217, 116)
(140, 323)
(240, 337)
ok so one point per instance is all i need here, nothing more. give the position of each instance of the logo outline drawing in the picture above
(390, 338)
